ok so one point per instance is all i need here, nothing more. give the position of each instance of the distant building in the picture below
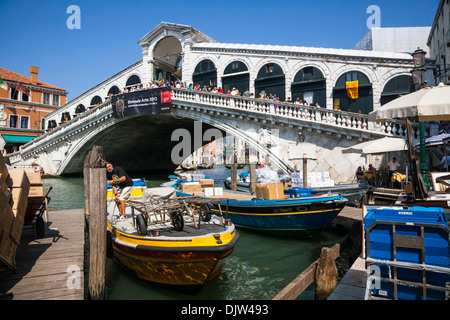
(405, 40)
(439, 42)
(24, 102)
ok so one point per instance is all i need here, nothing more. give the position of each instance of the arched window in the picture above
(236, 75)
(309, 86)
(363, 102)
(397, 87)
(133, 80)
(96, 100)
(271, 80)
(205, 74)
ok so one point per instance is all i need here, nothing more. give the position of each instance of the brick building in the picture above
(24, 101)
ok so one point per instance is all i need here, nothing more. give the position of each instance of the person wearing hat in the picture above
(233, 92)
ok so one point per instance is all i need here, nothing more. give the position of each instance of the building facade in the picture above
(439, 43)
(24, 102)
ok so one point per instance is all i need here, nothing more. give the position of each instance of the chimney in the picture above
(34, 72)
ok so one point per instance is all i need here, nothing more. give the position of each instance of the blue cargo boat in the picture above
(286, 214)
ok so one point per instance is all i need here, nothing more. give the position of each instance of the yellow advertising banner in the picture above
(352, 89)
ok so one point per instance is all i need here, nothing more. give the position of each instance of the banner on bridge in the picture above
(152, 101)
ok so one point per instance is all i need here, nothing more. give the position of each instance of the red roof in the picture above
(12, 76)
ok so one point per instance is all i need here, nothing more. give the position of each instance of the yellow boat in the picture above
(148, 244)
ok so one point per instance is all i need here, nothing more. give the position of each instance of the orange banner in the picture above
(352, 89)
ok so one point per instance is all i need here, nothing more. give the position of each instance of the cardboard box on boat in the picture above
(270, 191)
(207, 183)
(191, 187)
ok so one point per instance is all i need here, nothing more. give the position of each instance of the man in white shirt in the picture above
(393, 165)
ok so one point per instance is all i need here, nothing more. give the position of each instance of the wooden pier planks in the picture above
(50, 268)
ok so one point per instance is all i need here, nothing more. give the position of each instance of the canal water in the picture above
(260, 266)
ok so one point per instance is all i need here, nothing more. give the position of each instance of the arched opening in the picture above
(205, 74)
(80, 109)
(309, 85)
(396, 87)
(236, 75)
(270, 80)
(113, 90)
(364, 100)
(96, 100)
(167, 59)
(133, 80)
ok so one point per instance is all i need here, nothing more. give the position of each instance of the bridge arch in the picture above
(395, 87)
(113, 90)
(133, 80)
(364, 102)
(309, 84)
(205, 73)
(236, 74)
(96, 100)
(271, 78)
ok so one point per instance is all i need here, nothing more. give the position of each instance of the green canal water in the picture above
(260, 266)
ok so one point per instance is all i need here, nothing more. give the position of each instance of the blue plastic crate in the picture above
(299, 192)
(408, 223)
(436, 239)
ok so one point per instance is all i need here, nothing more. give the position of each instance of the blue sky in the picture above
(35, 32)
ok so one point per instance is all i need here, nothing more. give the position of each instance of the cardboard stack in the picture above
(270, 191)
(14, 189)
(35, 196)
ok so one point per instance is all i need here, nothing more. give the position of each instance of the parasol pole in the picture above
(423, 158)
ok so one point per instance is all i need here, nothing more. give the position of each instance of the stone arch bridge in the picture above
(281, 131)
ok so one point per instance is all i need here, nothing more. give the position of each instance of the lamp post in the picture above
(418, 74)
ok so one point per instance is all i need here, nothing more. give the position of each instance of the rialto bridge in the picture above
(172, 51)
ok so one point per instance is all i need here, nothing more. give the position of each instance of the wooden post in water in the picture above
(86, 185)
(234, 174)
(326, 274)
(97, 223)
(252, 177)
(305, 171)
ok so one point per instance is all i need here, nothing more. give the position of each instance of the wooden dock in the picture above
(353, 285)
(52, 267)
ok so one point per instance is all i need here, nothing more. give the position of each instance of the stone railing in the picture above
(347, 120)
(64, 131)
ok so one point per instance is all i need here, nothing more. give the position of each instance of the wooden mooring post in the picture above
(95, 180)
(234, 173)
(252, 177)
(323, 271)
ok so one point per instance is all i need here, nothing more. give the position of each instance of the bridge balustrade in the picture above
(291, 110)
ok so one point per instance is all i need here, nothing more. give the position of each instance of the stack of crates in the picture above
(14, 189)
(408, 249)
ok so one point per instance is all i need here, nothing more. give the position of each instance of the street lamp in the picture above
(418, 74)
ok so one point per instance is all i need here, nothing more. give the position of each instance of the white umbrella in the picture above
(386, 144)
(428, 104)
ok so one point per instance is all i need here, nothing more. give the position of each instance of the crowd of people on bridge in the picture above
(212, 89)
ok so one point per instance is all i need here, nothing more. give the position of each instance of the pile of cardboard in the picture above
(14, 189)
(270, 191)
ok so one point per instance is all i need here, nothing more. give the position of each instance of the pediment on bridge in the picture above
(174, 29)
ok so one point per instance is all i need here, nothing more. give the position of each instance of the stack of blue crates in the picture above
(299, 193)
(436, 242)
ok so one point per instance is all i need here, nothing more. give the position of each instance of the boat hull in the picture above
(352, 192)
(180, 262)
(305, 214)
